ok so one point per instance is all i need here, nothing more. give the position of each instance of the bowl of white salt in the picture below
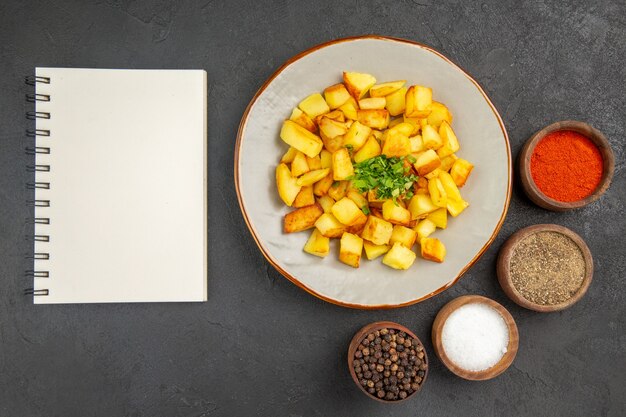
(475, 337)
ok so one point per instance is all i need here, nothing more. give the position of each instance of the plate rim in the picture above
(274, 262)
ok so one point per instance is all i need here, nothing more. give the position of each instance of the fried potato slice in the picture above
(302, 219)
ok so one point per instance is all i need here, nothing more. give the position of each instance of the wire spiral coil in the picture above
(38, 238)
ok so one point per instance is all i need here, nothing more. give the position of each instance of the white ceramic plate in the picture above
(483, 141)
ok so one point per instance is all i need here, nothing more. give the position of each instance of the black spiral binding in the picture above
(38, 184)
(32, 150)
(38, 167)
(34, 185)
(37, 132)
(32, 291)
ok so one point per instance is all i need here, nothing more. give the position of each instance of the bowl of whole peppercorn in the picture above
(387, 361)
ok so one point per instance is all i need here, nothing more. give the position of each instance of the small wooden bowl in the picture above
(372, 327)
(488, 373)
(531, 189)
(504, 271)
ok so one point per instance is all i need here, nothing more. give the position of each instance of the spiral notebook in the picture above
(120, 185)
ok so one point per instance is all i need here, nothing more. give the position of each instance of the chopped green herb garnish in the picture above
(388, 176)
(365, 210)
(350, 149)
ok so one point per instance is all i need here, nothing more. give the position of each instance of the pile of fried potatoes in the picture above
(350, 123)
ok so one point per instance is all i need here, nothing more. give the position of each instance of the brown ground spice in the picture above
(547, 268)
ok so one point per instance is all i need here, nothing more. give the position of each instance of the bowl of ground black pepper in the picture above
(387, 362)
(545, 267)
(566, 165)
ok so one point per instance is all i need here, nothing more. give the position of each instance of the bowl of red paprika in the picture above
(566, 165)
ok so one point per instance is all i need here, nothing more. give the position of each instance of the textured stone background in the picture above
(261, 346)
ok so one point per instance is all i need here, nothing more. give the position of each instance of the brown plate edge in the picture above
(266, 253)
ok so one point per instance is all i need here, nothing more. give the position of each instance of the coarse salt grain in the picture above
(475, 337)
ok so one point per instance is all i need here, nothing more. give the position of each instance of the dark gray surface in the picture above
(261, 346)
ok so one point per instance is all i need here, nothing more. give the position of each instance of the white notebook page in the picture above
(127, 186)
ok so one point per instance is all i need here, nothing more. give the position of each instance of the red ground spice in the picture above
(566, 166)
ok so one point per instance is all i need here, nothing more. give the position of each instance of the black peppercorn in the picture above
(390, 364)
